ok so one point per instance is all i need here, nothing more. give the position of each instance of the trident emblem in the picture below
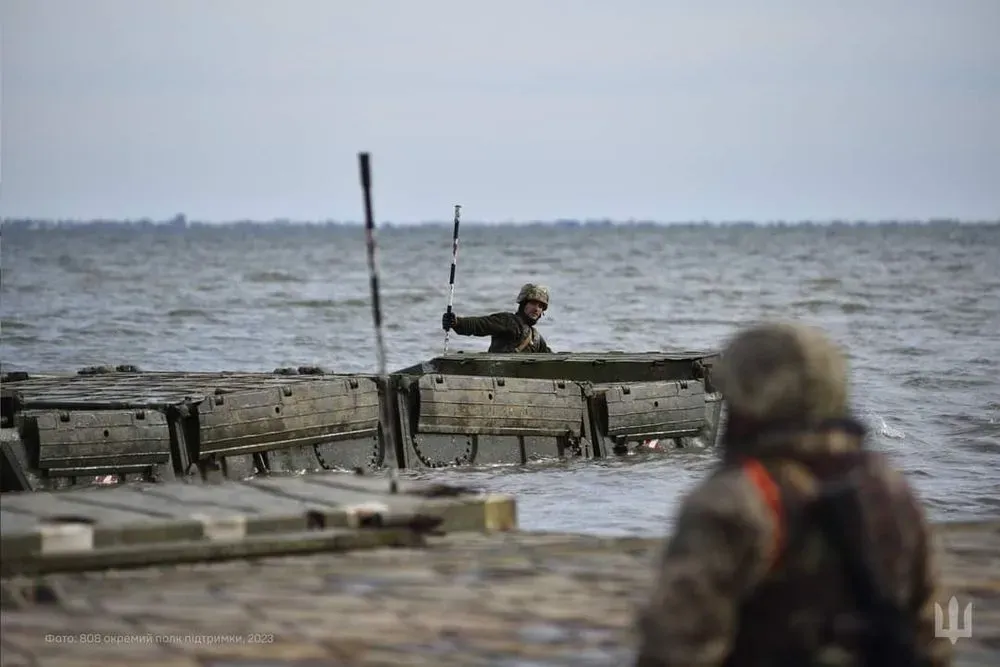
(953, 631)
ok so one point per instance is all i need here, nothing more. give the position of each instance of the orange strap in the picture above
(771, 494)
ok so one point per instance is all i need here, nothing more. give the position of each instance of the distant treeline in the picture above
(179, 222)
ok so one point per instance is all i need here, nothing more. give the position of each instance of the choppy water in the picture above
(917, 306)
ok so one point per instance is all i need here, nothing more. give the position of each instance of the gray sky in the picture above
(226, 109)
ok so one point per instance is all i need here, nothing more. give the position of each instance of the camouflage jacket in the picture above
(509, 331)
(739, 583)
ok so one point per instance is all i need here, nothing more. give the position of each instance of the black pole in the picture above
(385, 411)
(364, 161)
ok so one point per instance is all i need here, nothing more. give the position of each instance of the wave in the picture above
(271, 277)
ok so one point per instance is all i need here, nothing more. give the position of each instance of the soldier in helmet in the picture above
(803, 547)
(511, 332)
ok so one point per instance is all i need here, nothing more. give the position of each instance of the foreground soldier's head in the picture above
(783, 372)
(781, 378)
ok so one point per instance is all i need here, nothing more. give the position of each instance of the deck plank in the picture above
(47, 531)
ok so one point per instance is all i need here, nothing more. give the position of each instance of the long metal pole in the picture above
(388, 435)
(454, 264)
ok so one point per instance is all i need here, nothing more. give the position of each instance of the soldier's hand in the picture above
(448, 320)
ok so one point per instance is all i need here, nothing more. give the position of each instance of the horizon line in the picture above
(182, 222)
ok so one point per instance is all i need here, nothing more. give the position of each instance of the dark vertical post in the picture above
(387, 402)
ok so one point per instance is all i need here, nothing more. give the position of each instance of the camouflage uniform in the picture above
(748, 578)
(511, 332)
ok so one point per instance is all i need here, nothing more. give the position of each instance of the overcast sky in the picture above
(525, 109)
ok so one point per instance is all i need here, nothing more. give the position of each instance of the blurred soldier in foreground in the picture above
(511, 332)
(803, 547)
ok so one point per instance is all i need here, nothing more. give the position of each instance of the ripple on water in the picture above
(326, 303)
(192, 313)
(881, 427)
(272, 277)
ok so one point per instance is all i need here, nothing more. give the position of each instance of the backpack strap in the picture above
(527, 340)
(771, 495)
(837, 511)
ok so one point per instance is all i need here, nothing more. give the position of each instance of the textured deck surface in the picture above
(151, 524)
(149, 389)
(506, 599)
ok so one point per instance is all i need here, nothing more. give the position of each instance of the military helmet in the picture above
(532, 292)
(783, 371)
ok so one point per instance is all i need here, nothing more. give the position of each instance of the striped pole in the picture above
(454, 264)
